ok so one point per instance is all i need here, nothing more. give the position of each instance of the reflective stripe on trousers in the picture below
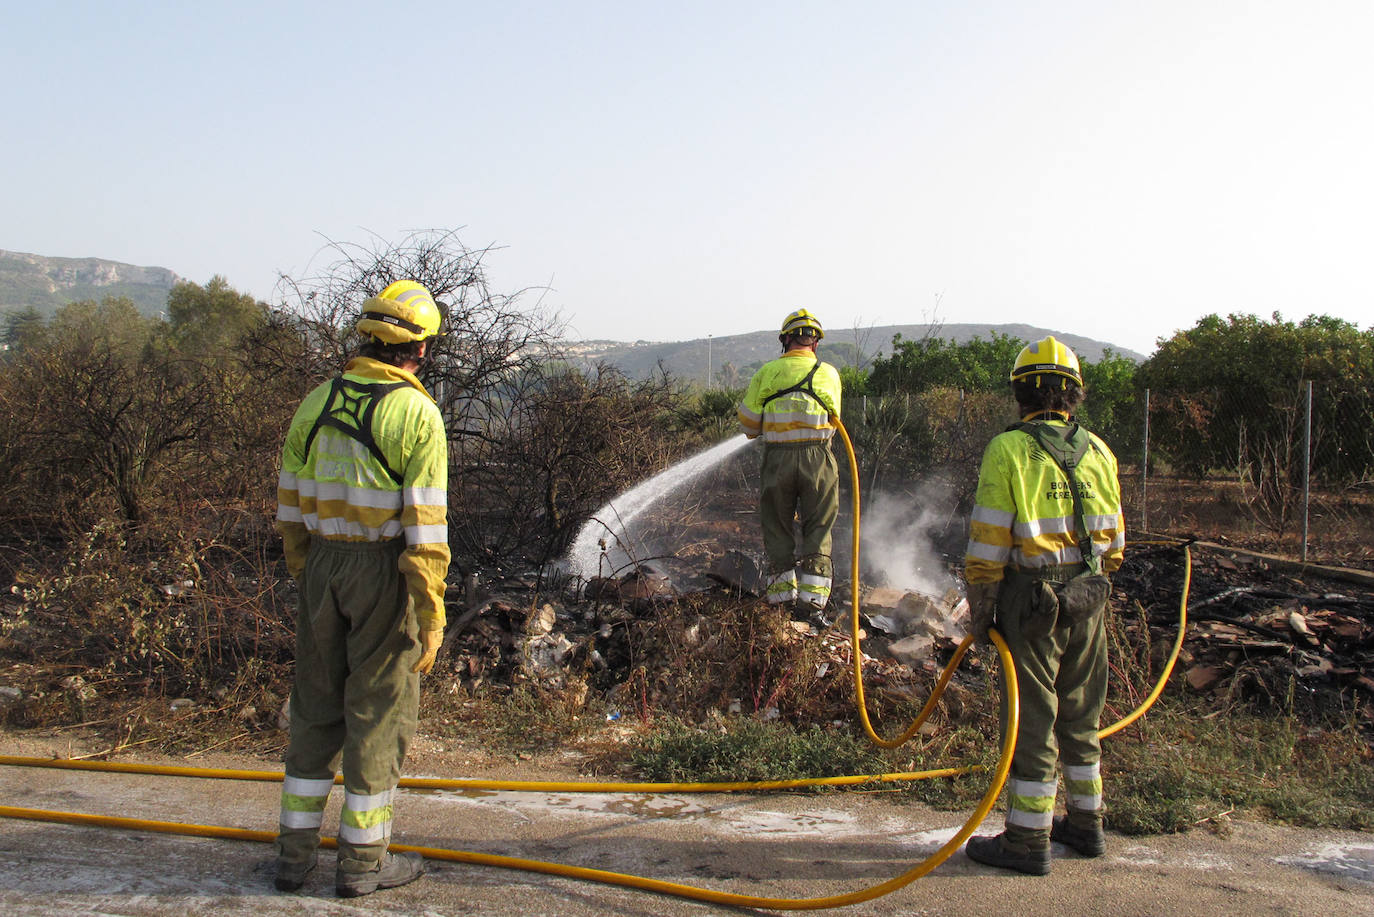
(782, 587)
(366, 819)
(1030, 803)
(813, 590)
(303, 801)
(1083, 783)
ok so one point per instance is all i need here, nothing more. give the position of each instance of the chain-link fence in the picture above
(1292, 473)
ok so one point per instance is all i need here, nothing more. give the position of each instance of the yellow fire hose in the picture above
(959, 652)
(464, 783)
(613, 878)
(858, 661)
(599, 875)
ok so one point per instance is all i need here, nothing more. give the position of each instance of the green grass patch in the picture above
(1173, 770)
(1178, 769)
(747, 749)
(741, 749)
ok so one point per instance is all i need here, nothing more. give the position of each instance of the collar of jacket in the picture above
(1051, 416)
(383, 372)
(802, 352)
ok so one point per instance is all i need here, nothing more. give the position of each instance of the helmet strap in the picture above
(394, 320)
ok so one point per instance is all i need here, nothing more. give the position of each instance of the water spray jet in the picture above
(608, 529)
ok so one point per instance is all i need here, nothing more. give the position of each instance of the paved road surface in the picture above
(777, 845)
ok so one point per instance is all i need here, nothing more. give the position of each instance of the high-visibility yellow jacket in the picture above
(337, 488)
(1023, 511)
(797, 416)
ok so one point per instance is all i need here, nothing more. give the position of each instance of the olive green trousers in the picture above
(799, 484)
(1061, 673)
(354, 700)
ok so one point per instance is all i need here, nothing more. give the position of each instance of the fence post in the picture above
(1145, 470)
(1306, 469)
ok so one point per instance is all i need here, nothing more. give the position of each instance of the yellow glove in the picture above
(430, 641)
(982, 609)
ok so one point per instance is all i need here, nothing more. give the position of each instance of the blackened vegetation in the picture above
(1259, 639)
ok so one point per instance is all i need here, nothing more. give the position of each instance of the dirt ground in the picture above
(781, 845)
(784, 845)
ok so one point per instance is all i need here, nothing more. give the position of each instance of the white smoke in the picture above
(897, 542)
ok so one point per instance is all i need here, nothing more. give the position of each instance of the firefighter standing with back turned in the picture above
(363, 508)
(1046, 529)
(789, 402)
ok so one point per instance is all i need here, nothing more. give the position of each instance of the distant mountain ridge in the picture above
(691, 359)
(46, 284)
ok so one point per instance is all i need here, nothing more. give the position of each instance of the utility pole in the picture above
(708, 361)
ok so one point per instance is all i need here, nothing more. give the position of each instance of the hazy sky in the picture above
(669, 171)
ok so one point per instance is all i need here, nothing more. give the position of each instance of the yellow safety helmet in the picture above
(1047, 357)
(800, 322)
(404, 311)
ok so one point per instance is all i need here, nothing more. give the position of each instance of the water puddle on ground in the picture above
(1347, 861)
(730, 814)
(434, 791)
(643, 805)
(839, 824)
(723, 813)
(827, 822)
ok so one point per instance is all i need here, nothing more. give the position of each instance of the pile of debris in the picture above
(1261, 635)
(1255, 633)
(601, 631)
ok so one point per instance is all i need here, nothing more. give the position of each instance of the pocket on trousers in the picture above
(1042, 611)
(1082, 597)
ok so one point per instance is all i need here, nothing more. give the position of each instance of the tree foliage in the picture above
(108, 402)
(1113, 403)
(213, 318)
(853, 382)
(932, 405)
(1266, 365)
(22, 326)
(914, 366)
(713, 413)
(1230, 395)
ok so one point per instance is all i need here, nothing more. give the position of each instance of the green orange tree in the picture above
(1230, 395)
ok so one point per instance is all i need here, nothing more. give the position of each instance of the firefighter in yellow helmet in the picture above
(1046, 531)
(790, 403)
(362, 510)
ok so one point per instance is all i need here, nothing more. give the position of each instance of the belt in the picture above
(795, 443)
(1054, 573)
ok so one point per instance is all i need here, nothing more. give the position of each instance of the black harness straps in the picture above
(1067, 446)
(349, 409)
(803, 386)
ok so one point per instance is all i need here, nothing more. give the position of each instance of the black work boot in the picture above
(393, 871)
(815, 615)
(998, 851)
(1086, 841)
(291, 875)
